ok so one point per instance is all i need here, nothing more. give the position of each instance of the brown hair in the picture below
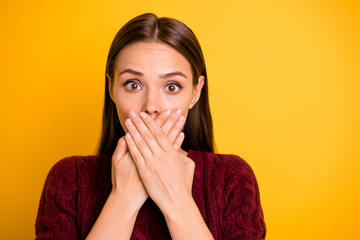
(148, 27)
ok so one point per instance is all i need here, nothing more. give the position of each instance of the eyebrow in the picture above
(171, 74)
(128, 70)
(166, 75)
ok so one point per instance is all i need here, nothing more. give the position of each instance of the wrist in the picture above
(186, 222)
(117, 218)
(180, 210)
(125, 203)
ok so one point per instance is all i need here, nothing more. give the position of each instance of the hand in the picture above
(124, 175)
(166, 173)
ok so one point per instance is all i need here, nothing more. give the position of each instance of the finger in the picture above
(174, 124)
(179, 140)
(141, 135)
(120, 150)
(118, 154)
(166, 127)
(134, 152)
(157, 133)
(176, 129)
(163, 116)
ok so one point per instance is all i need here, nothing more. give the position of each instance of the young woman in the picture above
(156, 175)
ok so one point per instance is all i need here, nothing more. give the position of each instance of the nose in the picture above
(152, 104)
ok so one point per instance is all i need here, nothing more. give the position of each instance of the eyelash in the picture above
(126, 83)
(175, 84)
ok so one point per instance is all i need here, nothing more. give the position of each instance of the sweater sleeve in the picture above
(56, 217)
(243, 216)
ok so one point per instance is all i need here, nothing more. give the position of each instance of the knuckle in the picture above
(158, 133)
(179, 124)
(137, 156)
(142, 144)
(136, 119)
(115, 160)
(168, 149)
(130, 143)
(173, 119)
(148, 135)
(146, 175)
(148, 119)
(165, 128)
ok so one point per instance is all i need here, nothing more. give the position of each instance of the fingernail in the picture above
(132, 114)
(177, 113)
(143, 115)
(167, 112)
(181, 119)
(128, 136)
(128, 122)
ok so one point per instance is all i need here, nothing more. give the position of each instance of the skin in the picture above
(163, 70)
(153, 91)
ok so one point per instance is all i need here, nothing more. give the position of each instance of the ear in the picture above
(109, 87)
(197, 91)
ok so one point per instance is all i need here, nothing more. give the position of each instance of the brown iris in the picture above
(133, 86)
(171, 88)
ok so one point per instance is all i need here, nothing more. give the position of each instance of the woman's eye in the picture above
(172, 88)
(132, 86)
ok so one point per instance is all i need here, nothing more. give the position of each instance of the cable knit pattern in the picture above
(224, 188)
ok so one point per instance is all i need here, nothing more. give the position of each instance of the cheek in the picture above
(122, 114)
(174, 103)
(182, 102)
(123, 108)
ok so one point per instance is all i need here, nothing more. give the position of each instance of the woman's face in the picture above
(152, 77)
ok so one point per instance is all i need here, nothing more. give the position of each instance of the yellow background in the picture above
(284, 81)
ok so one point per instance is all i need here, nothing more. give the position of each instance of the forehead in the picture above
(151, 56)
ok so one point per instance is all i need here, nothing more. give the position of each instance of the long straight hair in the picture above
(198, 128)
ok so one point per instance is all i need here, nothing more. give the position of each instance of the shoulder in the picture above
(70, 164)
(58, 206)
(234, 164)
(228, 176)
(67, 177)
(67, 169)
(233, 194)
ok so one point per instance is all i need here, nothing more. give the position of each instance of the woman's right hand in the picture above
(117, 218)
(124, 175)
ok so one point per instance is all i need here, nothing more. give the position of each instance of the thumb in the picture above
(120, 150)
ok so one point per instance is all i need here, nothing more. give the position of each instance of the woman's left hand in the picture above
(167, 174)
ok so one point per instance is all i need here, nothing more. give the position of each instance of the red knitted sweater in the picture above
(224, 189)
